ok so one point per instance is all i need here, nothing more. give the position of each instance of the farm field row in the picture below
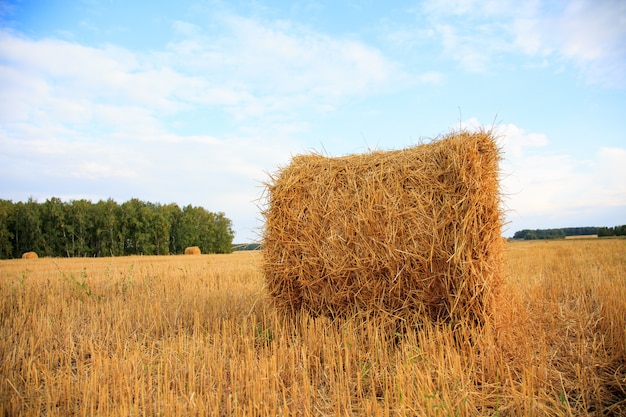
(196, 335)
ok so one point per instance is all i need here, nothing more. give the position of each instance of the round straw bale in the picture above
(403, 233)
(193, 250)
(29, 255)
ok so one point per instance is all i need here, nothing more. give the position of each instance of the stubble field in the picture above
(196, 335)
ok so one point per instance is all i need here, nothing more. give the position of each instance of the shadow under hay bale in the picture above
(193, 250)
(409, 234)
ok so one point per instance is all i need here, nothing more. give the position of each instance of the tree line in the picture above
(612, 231)
(561, 233)
(106, 228)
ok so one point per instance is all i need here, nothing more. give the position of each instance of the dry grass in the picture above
(412, 234)
(197, 335)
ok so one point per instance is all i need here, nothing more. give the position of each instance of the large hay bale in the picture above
(407, 233)
(30, 255)
(193, 250)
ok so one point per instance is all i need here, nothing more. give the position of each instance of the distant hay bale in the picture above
(29, 255)
(193, 250)
(408, 233)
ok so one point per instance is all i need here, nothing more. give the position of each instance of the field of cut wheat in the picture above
(197, 335)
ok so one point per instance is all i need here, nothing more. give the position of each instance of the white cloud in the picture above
(250, 69)
(588, 34)
(551, 183)
(483, 8)
(186, 28)
(544, 187)
(77, 119)
(51, 82)
(431, 77)
(281, 65)
(516, 141)
(473, 33)
(221, 104)
(592, 30)
(611, 186)
(473, 53)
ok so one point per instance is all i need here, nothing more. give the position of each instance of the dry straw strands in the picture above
(30, 255)
(193, 250)
(409, 234)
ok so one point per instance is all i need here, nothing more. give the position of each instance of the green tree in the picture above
(52, 213)
(190, 227)
(6, 235)
(224, 234)
(174, 216)
(107, 228)
(26, 228)
(131, 227)
(521, 234)
(211, 232)
(530, 235)
(160, 229)
(80, 228)
(152, 230)
(605, 231)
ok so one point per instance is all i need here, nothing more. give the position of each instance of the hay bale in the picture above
(407, 233)
(193, 250)
(29, 255)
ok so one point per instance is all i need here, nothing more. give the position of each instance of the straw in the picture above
(412, 233)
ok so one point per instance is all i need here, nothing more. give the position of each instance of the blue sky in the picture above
(195, 102)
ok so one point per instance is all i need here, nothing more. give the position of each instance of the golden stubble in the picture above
(199, 336)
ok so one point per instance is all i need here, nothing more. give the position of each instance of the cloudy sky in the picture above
(195, 102)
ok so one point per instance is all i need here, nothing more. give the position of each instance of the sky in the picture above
(199, 102)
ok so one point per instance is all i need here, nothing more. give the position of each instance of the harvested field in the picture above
(185, 336)
(581, 237)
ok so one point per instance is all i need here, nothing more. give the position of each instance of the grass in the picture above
(196, 335)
